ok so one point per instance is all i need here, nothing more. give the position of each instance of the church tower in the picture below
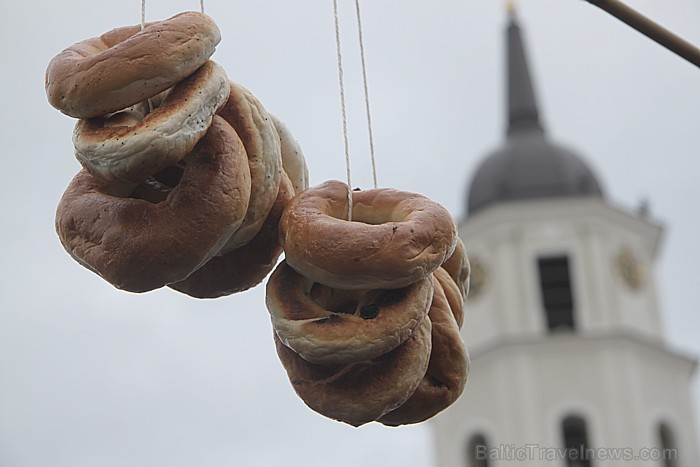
(570, 366)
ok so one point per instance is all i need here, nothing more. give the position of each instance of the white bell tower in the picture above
(569, 362)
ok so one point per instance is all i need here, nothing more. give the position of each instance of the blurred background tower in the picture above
(562, 322)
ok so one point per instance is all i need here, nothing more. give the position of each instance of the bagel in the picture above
(457, 266)
(293, 160)
(251, 121)
(447, 371)
(128, 65)
(332, 326)
(452, 294)
(395, 238)
(137, 245)
(244, 267)
(358, 393)
(126, 151)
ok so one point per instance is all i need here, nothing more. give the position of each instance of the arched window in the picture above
(669, 453)
(576, 442)
(477, 451)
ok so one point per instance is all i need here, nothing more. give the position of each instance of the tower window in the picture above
(556, 292)
(576, 442)
(669, 453)
(477, 452)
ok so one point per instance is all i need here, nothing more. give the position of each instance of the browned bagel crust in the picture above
(447, 371)
(109, 73)
(246, 114)
(452, 293)
(140, 246)
(458, 267)
(246, 266)
(133, 152)
(333, 326)
(362, 392)
(395, 237)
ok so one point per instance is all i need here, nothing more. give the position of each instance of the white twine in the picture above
(364, 81)
(143, 26)
(143, 14)
(342, 107)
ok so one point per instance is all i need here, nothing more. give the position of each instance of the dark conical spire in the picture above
(522, 106)
(527, 166)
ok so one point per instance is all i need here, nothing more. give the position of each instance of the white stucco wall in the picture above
(520, 391)
(616, 371)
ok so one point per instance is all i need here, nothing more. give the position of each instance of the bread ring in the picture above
(251, 121)
(244, 267)
(293, 160)
(333, 326)
(457, 266)
(139, 246)
(447, 371)
(452, 294)
(127, 65)
(359, 393)
(395, 237)
(132, 153)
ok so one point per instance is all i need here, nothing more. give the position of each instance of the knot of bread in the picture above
(184, 172)
(367, 313)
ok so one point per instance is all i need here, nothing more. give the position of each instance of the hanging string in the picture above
(342, 107)
(364, 81)
(201, 5)
(143, 25)
(143, 14)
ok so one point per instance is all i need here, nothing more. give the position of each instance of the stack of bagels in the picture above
(367, 314)
(185, 174)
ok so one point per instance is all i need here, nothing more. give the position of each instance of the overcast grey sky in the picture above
(91, 376)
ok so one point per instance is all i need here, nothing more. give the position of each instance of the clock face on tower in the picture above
(630, 269)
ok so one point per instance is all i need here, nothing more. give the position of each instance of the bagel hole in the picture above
(368, 214)
(124, 118)
(156, 188)
(151, 190)
(170, 176)
(336, 300)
